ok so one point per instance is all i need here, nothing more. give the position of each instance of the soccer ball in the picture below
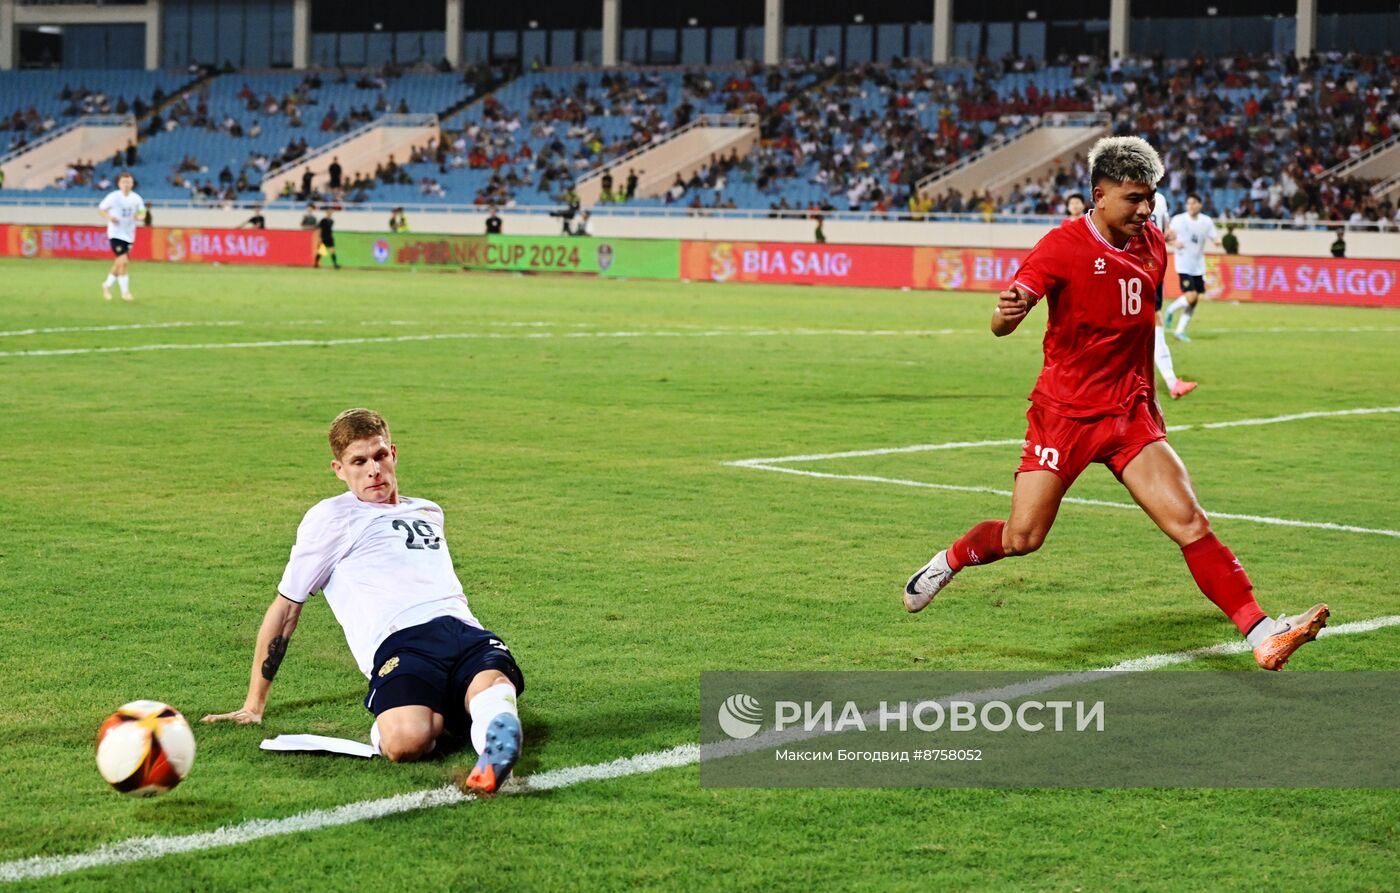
(145, 748)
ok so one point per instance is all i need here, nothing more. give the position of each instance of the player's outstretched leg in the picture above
(496, 733)
(1223, 580)
(1034, 502)
(1159, 483)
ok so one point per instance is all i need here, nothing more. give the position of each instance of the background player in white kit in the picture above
(1189, 233)
(1161, 353)
(381, 560)
(121, 209)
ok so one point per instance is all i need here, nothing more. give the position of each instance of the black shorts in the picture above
(120, 247)
(329, 243)
(1193, 283)
(432, 664)
(1160, 285)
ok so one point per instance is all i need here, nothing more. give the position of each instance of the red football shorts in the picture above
(1066, 446)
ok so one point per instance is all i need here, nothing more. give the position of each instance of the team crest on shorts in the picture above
(389, 666)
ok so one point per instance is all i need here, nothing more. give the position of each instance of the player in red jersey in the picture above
(1095, 400)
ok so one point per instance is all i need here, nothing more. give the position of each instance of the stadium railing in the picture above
(745, 119)
(84, 121)
(1385, 187)
(1052, 119)
(1338, 170)
(392, 120)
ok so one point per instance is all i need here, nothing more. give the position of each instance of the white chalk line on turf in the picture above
(970, 444)
(1306, 330)
(1075, 500)
(138, 849)
(1297, 416)
(780, 463)
(462, 336)
(123, 328)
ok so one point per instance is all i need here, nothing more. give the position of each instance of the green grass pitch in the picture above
(576, 430)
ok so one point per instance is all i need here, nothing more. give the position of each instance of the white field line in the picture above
(1075, 500)
(122, 328)
(712, 330)
(460, 336)
(1297, 416)
(884, 451)
(139, 849)
(969, 444)
(1307, 330)
(779, 463)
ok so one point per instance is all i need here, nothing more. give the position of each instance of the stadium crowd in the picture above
(1250, 134)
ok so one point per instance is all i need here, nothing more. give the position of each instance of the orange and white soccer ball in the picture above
(145, 748)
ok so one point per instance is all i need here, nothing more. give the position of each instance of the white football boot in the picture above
(927, 582)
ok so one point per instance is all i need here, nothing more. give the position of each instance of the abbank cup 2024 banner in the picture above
(636, 258)
(170, 245)
(1360, 282)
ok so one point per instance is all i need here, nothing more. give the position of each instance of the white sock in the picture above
(1185, 318)
(125, 283)
(1261, 631)
(1164, 358)
(1176, 306)
(498, 699)
(109, 281)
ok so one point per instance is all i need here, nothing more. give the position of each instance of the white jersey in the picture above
(126, 208)
(1191, 239)
(382, 568)
(1160, 216)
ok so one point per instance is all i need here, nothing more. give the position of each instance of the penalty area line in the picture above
(970, 444)
(140, 849)
(1101, 503)
(461, 336)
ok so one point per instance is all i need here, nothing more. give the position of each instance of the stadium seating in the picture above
(35, 101)
(1249, 133)
(576, 120)
(244, 124)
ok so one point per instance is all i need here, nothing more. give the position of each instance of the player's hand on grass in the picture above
(242, 716)
(1011, 304)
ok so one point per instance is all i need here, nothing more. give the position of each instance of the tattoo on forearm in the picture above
(276, 650)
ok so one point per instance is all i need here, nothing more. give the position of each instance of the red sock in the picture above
(980, 545)
(1222, 578)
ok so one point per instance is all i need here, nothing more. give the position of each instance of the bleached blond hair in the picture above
(1124, 159)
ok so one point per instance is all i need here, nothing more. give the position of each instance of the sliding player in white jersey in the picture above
(381, 560)
(121, 209)
(1189, 233)
(1162, 354)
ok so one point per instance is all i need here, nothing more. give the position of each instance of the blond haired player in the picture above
(1095, 401)
(382, 562)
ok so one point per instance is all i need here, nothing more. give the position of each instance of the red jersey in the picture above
(1099, 338)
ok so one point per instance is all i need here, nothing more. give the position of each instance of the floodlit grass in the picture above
(575, 432)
